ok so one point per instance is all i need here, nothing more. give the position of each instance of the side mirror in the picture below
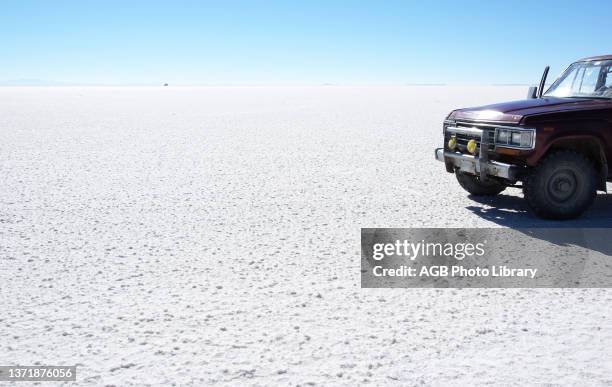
(532, 93)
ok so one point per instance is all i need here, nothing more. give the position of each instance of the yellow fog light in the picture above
(452, 143)
(471, 146)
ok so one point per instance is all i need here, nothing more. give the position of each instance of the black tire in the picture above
(474, 186)
(562, 186)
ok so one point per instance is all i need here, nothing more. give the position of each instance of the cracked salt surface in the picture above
(211, 236)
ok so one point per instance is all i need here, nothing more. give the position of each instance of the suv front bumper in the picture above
(474, 166)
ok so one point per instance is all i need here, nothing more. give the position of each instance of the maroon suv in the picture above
(558, 143)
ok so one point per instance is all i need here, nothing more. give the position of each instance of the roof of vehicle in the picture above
(592, 58)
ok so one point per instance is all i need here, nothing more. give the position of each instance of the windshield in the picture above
(584, 79)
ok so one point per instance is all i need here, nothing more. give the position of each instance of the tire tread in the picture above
(535, 201)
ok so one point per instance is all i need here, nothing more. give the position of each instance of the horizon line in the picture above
(61, 84)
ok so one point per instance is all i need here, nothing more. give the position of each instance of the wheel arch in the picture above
(590, 146)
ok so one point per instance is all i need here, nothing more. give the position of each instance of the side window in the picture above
(608, 72)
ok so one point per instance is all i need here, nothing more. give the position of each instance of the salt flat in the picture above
(211, 236)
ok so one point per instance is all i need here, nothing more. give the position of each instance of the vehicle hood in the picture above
(514, 111)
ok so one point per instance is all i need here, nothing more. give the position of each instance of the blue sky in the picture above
(297, 42)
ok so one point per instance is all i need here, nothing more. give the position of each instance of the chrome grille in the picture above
(464, 132)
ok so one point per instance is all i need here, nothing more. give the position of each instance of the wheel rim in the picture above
(562, 186)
